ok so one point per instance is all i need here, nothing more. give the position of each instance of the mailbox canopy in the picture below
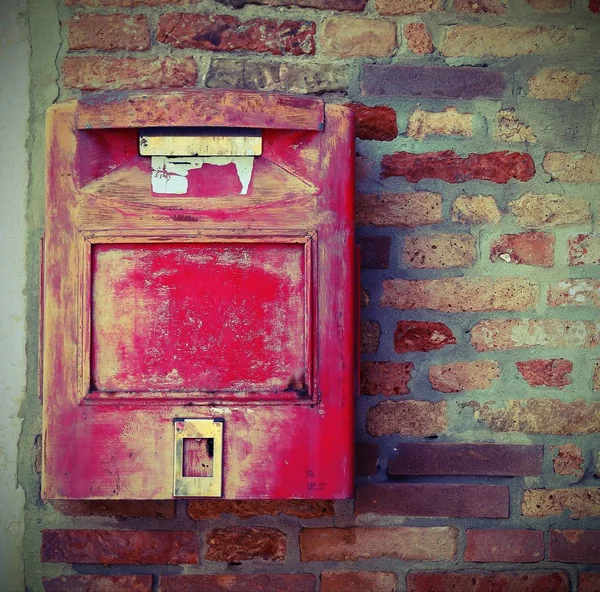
(198, 310)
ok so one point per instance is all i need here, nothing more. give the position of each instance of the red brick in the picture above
(240, 582)
(480, 6)
(207, 509)
(375, 252)
(421, 336)
(109, 32)
(408, 418)
(227, 33)
(504, 546)
(435, 251)
(540, 416)
(461, 294)
(485, 581)
(418, 38)
(117, 508)
(366, 459)
(358, 581)
(584, 249)
(338, 5)
(404, 210)
(436, 543)
(369, 337)
(374, 123)
(504, 460)
(463, 376)
(245, 543)
(101, 73)
(569, 460)
(436, 82)
(581, 502)
(98, 584)
(574, 546)
(589, 582)
(594, 6)
(432, 499)
(499, 167)
(527, 248)
(583, 292)
(505, 334)
(120, 547)
(546, 372)
(387, 378)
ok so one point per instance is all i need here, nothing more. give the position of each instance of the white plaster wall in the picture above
(14, 112)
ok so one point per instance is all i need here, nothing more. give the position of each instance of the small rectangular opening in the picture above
(198, 455)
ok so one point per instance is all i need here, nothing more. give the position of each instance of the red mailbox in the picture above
(198, 297)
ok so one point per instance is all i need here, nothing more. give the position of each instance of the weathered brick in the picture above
(447, 123)
(506, 41)
(238, 543)
(437, 82)
(375, 252)
(517, 333)
(98, 584)
(584, 292)
(421, 336)
(480, 6)
(476, 209)
(418, 39)
(358, 581)
(596, 382)
(227, 33)
(549, 210)
(436, 543)
(350, 36)
(463, 376)
(369, 336)
(510, 129)
(125, 3)
(117, 508)
(546, 372)
(580, 501)
(395, 7)
(298, 77)
(499, 167)
(374, 123)
(365, 297)
(210, 509)
(554, 6)
(120, 547)
(584, 249)
(109, 32)
(568, 460)
(589, 582)
(557, 83)
(540, 416)
(387, 378)
(573, 167)
(338, 5)
(408, 418)
(434, 251)
(404, 210)
(102, 73)
(504, 546)
(479, 581)
(527, 248)
(594, 6)
(366, 459)
(507, 460)
(242, 582)
(574, 546)
(461, 294)
(432, 499)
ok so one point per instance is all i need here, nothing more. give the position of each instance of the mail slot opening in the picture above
(198, 457)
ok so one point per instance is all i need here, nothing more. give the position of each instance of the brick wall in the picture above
(478, 177)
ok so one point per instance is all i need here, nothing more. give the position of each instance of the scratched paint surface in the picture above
(198, 317)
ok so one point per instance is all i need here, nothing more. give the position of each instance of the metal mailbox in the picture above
(198, 314)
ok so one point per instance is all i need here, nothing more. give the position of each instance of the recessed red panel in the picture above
(198, 317)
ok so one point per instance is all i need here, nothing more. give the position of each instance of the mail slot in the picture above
(199, 297)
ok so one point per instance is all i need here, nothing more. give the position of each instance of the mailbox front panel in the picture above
(198, 318)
